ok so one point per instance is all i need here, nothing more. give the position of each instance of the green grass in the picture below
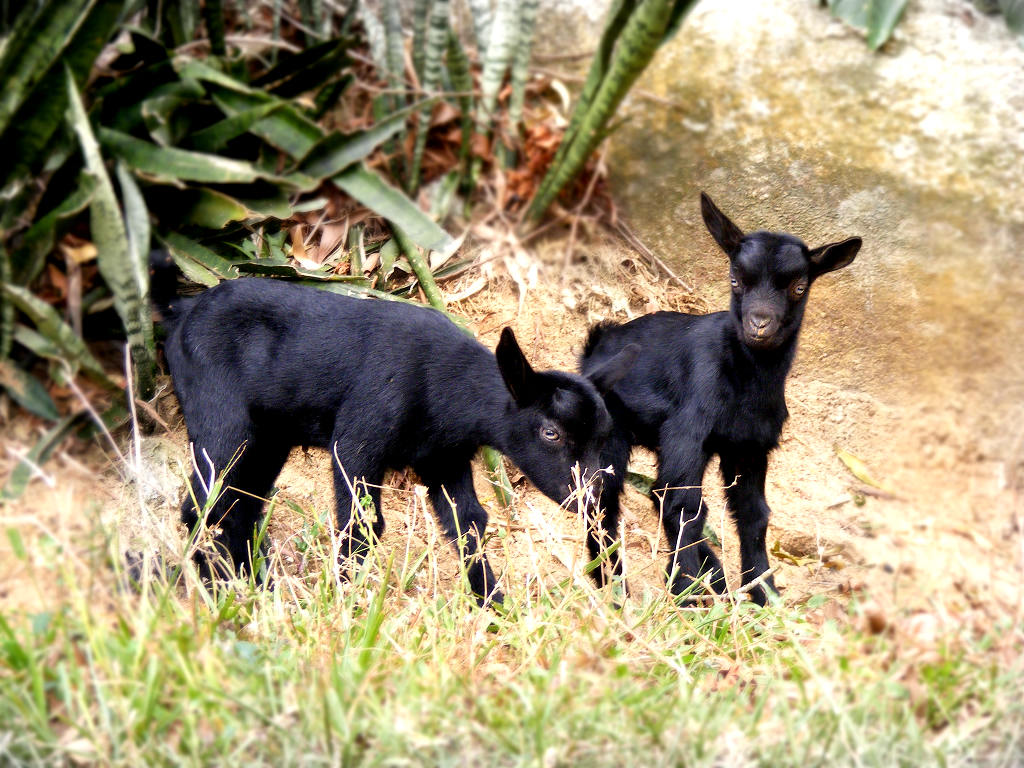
(395, 667)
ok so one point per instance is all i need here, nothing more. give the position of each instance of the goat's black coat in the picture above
(263, 366)
(710, 384)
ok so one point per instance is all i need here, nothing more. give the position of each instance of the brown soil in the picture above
(943, 534)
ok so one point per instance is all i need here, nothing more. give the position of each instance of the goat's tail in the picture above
(596, 334)
(163, 284)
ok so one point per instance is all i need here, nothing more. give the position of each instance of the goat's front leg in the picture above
(683, 512)
(603, 529)
(463, 521)
(743, 472)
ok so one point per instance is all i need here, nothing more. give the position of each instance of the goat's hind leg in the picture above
(246, 466)
(683, 513)
(357, 480)
(464, 522)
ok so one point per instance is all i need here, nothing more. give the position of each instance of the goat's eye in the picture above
(797, 288)
(550, 434)
(734, 281)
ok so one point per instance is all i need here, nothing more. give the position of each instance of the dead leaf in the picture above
(859, 469)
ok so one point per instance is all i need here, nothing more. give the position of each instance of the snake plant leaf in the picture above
(51, 326)
(420, 14)
(394, 42)
(877, 17)
(284, 128)
(45, 30)
(617, 17)
(1013, 12)
(158, 112)
(370, 189)
(184, 249)
(180, 19)
(6, 308)
(37, 455)
(480, 10)
(645, 29)
(27, 262)
(124, 269)
(215, 137)
(173, 164)
(213, 15)
(436, 43)
(307, 70)
(136, 225)
(337, 151)
(38, 97)
(521, 60)
(26, 390)
(501, 46)
(460, 74)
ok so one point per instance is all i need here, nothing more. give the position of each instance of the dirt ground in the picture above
(941, 536)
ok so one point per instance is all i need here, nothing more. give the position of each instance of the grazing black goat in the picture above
(261, 366)
(707, 384)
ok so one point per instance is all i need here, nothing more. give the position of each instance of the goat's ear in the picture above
(611, 372)
(726, 234)
(515, 368)
(828, 258)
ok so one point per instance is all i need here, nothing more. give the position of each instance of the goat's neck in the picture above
(770, 366)
(488, 407)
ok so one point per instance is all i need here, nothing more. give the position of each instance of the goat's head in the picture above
(560, 419)
(771, 275)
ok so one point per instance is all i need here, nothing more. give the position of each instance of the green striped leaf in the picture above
(284, 128)
(37, 456)
(28, 136)
(437, 41)
(521, 60)
(173, 164)
(216, 136)
(501, 44)
(420, 14)
(184, 249)
(480, 11)
(371, 190)
(38, 241)
(26, 391)
(336, 151)
(620, 61)
(52, 327)
(122, 268)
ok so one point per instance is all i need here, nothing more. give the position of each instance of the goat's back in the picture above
(295, 354)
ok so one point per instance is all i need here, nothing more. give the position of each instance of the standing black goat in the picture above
(261, 366)
(707, 384)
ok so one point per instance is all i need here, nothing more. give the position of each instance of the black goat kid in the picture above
(261, 366)
(707, 384)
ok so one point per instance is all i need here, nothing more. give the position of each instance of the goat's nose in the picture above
(759, 322)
